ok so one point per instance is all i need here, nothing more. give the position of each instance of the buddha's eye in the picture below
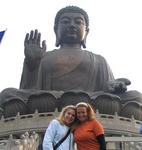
(79, 22)
(65, 21)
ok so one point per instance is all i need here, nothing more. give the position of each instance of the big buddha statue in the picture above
(68, 74)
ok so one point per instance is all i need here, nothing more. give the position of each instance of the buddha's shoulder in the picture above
(57, 52)
(92, 54)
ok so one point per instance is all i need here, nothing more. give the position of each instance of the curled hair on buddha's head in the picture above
(71, 9)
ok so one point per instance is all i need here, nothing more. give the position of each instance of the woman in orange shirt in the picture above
(89, 133)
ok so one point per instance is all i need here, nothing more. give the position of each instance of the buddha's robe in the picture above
(63, 70)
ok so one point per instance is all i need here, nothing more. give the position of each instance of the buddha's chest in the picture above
(65, 62)
(68, 62)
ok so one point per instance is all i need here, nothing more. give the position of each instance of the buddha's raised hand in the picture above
(33, 48)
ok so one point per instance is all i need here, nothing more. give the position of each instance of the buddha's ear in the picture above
(83, 43)
(57, 43)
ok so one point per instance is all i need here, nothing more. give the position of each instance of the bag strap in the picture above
(62, 140)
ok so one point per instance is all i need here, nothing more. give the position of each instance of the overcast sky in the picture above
(115, 33)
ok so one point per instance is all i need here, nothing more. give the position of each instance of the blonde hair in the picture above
(90, 110)
(61, 117)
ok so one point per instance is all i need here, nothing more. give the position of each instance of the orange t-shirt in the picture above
(85, 135)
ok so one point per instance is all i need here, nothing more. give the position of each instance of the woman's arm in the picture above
(101, 140)
(49, 136)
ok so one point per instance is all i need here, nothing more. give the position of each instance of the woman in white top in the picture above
(58, 128)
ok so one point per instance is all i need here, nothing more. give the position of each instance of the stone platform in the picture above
(115, 127)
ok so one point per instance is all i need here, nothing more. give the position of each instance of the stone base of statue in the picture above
(27, 101)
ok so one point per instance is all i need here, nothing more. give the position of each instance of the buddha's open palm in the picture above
(33, 49)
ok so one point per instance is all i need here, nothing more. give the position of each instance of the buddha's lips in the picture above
(71, 33)
(72, 30)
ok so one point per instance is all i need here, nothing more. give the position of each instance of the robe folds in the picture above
(63, 70)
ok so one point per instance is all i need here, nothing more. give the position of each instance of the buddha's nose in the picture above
(72, 23)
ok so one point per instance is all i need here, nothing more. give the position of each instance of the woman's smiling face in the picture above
(82, 114)
(69, 116)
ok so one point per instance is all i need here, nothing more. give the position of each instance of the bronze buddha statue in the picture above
(68, 74)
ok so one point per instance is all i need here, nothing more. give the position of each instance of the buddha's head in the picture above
(71, 26)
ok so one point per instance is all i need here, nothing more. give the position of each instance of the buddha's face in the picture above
(71, 28)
